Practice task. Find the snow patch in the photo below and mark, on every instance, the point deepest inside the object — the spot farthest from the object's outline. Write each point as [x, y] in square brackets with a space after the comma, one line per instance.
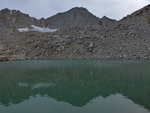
[23, 29]
[36, 28]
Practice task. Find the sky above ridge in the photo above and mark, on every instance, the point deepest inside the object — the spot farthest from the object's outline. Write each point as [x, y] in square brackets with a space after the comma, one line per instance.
[115, 9]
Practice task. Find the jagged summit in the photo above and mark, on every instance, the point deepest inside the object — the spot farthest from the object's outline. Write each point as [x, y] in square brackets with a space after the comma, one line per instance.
[105, 20]
[11, 12]
[77, 16]
[15, 18]
[76, 9]
[105, 17]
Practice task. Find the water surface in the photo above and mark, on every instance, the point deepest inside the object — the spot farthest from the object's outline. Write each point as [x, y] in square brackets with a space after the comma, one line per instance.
[75, 86]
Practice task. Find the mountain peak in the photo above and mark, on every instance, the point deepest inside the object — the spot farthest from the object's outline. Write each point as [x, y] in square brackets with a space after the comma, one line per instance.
[105, 18]
[15, 18]
[6, 10]
[77, 16]
[78, 9]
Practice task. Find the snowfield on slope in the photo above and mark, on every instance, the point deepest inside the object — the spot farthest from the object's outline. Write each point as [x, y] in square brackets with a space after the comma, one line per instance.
[36, 28]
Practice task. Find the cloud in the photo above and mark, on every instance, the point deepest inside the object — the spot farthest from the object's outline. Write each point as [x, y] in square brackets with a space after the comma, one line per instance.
[45, 8]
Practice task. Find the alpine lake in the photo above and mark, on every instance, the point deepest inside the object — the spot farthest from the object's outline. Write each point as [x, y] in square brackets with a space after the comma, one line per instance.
[75, 86]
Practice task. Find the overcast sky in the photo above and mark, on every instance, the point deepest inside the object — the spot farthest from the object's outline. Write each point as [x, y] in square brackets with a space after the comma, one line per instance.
[115, 9]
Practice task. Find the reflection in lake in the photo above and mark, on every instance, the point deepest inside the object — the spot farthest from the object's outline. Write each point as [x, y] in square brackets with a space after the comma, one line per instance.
[75, 86]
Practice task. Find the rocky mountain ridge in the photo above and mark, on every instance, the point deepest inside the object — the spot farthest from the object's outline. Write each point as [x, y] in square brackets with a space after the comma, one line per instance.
[77, 16]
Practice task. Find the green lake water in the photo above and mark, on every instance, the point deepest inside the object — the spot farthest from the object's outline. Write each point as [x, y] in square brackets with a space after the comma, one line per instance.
[75, 86]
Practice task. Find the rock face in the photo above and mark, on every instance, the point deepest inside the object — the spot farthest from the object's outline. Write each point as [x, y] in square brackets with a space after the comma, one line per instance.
[74, 17]
[141, 16]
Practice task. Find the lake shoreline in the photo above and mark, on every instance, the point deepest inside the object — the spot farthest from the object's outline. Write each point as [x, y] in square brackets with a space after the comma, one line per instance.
[14, 60]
